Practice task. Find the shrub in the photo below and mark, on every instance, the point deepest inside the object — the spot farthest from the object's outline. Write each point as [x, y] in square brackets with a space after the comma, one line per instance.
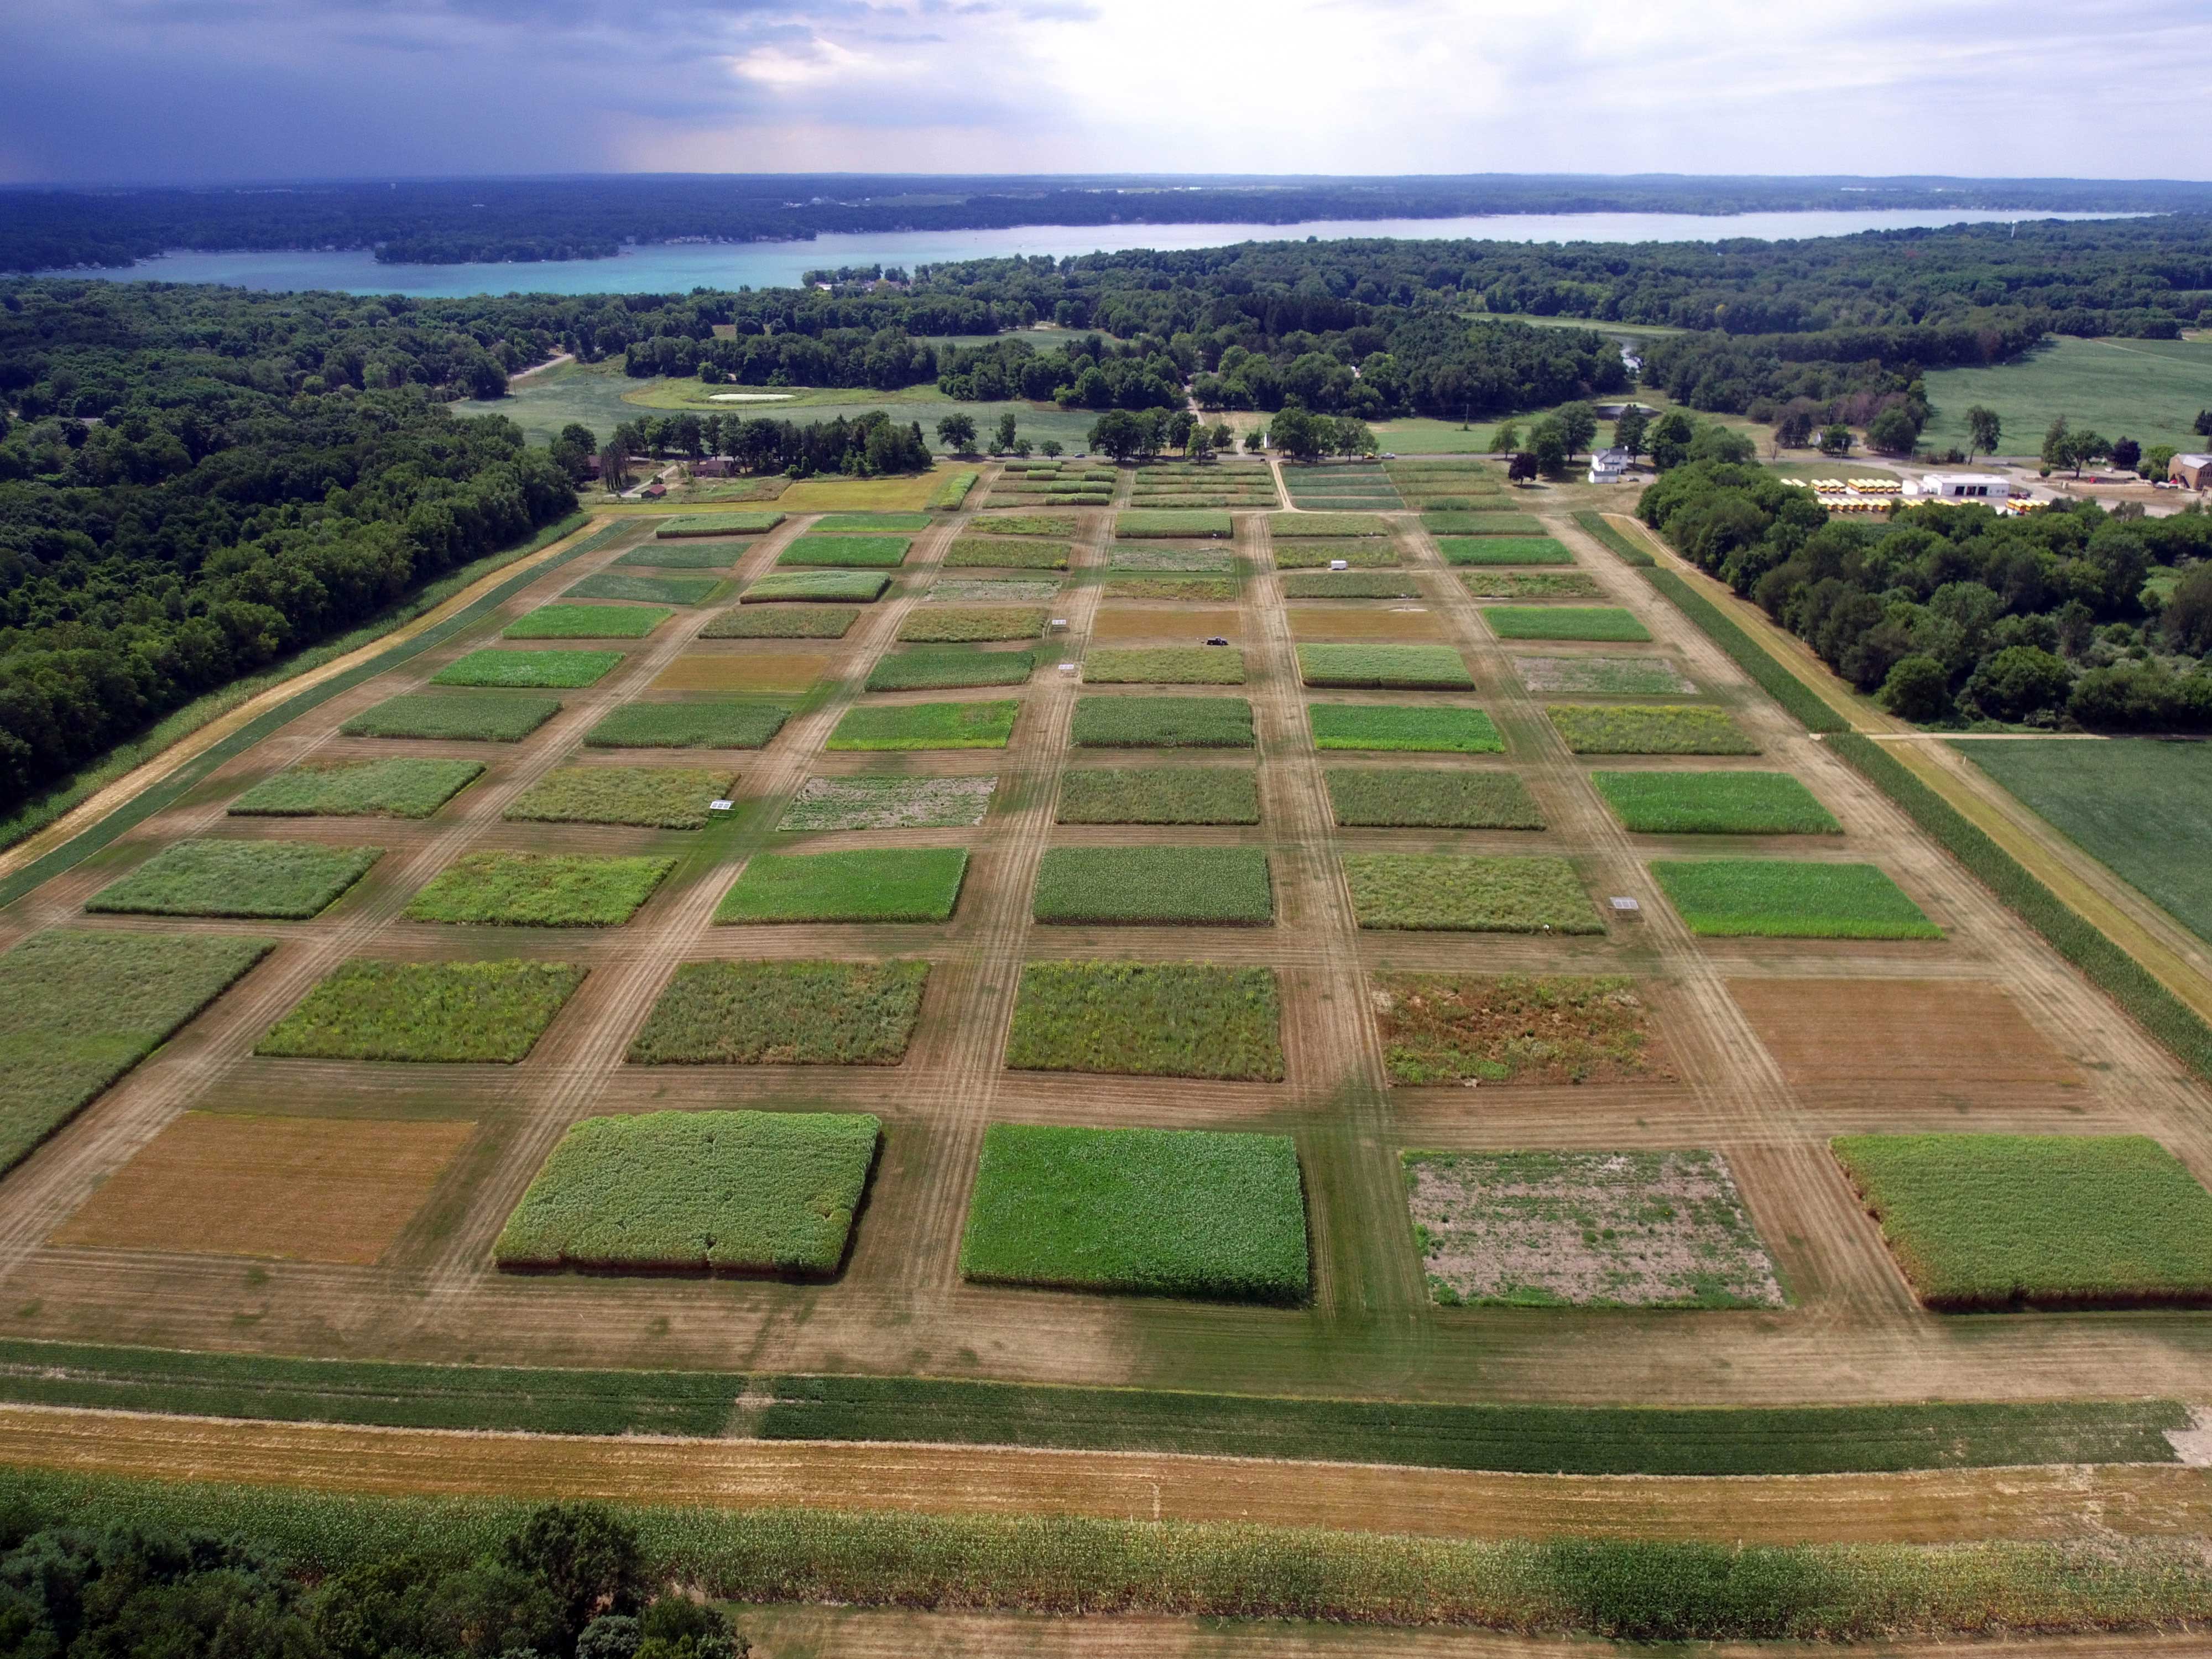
[1449, 1028]
[587, 622]
[1783, 898]
[399, 789]
[801, 586]
[540, 890]
[650, 797]
[1222, 886]
[1173, 794]
[1563, 622]
[926, 726]
[1431, 798]
[1714, 804]
[1416, 666]
[1193, 665]
[647, 590]
[487, 716]
[688, 725]
[868, 552]
[2019, 681]
[520, 669]
[1148, 1019]
[1503, 550]
[1141, 524]
[1918, 688]
[1006, 553]
[1446, 891]
[442, 1011]
[287, 880]
[952, 625]
[1606, 729]
[1410, 730]
[944, 666]
[784, 1013]
[893, 885]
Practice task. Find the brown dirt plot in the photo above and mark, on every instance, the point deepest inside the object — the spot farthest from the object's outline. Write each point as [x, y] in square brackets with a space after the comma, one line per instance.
[1892, 1030]
[1177, 621]
[743, 670]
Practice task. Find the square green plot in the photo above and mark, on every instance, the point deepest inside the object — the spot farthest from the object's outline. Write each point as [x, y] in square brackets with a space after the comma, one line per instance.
[683, 555]
[538, 889]
[1177, 665]
[910, 725]
[784, 1013]
[454, 716]
[517, 670]
[848, 552]
[1407, 667]
[803, 587]
[646, 590]
[688, 725]
[1994, 1221]
[940, 668]
[1451, 893]
[1140, 525]
[1431, 798]
[1148, 1019]
[1503, 550]
[1165, 794]
[717, 524]
[1405, 730]
[1632, 729]
[278, 880]
[587, 622]
[1786, 898]
[699, 1192]
[648, 797]
[872, 524]
[1187, 1213]
[867, 803]
[1563, 622]
[1714, 804]
[782, 622]
[395, 788]
[1155, 886]
[1162, 723]
[882, 884]
[432, 1012]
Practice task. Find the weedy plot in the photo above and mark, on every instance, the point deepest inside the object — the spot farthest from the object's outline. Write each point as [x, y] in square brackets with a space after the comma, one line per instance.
[683, 555]
[1363, 622]
[1006, 553]
[782, 622]
[866, 803]
[1604, 677]
[877, 885]
[852, 552]
[1351, 585]
[1195, 558]
[1502, 549]
[1590, 1230]
[1190, 590]
[1308, 526]
[479, 716]
[1785, 898]
[1670, 729]
[1171, 794]
[1714, 804]
[784, 1013]
[1148, 1019]
[1320, 554]
[1026, 524]
[1190, 665]
[688, 725]
[272, 880]
[1550, 1029]
[877, 524]
[1446, 521]
[1992, 1221]
[650, 797]
[1407, 730]
[938, 668]
[740, 672]
[78, 1010]
[1563, 622]
[1448, 892]
[1162, 723]
[717, 524]
[587, 622]
[951, 492]
[1530, 585]
[397, 788]
[957, 625]
[1003, 589]
[1137, 525]
[442, 1011]
[806, 587]
[1153, 886]
[926, 726]
[540, 890]
[1435, 668]
[1160, 1211]
[528, 669]
[707, 1192]
[646, 590]
[1431, 798]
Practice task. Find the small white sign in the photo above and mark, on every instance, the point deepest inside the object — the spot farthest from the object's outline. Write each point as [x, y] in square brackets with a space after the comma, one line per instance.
[1067, 668]
[719, 806]
[1619, 904]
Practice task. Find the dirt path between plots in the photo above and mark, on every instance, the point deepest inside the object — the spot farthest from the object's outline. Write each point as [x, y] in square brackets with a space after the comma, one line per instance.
[2062, 1501]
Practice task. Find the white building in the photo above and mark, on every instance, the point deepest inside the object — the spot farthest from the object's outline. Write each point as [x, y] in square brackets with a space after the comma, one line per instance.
[1609, 467]
[1966, 487]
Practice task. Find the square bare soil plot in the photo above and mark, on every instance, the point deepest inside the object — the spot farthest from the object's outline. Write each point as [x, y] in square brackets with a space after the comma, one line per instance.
[784, 1013]
[78, 1010]
[1163, 794]
[1148, 1019]
[696, 1192]
[740, 673]
[1885, 1032]
[401, 787]
[1315, 621]
[1538, 1029]
[701, 725]
[429, 1012]
[1155, 886]
[455, 716]
[1605, 677]
[1453, 893]
[1790, 898]
[869, 803]
[647, 797]
[271, 880]
[1175, 664]
[587, 622]
[1629, 729]
[538, 889]
[891, 884]
[1431, 798]
[1592, 1230]
[782, 622]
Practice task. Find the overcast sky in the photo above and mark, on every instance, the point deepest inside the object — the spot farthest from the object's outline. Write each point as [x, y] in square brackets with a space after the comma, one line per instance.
[220, 89]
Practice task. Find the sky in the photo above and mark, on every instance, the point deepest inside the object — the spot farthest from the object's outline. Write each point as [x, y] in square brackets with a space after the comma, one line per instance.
[195, 91]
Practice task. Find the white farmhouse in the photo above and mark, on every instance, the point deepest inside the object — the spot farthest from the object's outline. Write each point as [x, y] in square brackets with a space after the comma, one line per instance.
[1966, 487]
[1609, 467]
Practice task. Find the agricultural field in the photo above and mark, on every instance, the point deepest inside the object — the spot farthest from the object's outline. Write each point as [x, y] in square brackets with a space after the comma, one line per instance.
[857, 552]
[1431, 798]
[1450, 892]
[1714, 804]
[1409, 667]
[1007, 552]
[650, 797]
[745, 673]
[1646, 729]
[1522, 1028]
[485, 716]
[992, 590]
[936, 668]
[690, 724]
[406, 787]
[871, 803]
[1351, 585]
[1603, 677]
[438, 1012]
[1404, 729]
[1165, 794]
[269, 880]
[530, 670]
[2149, 390]
[647, 590]
[1366, 554]
[955, 624]
[1366, 622]
[1565, 622]
[881, 885]
[784, 1013]
[888, 728]
[718, 524]
[1148, 1019]
[1445, 521]
[1125, 722]
[1502, 549]
[1190, 590]
[1530, 585]
[816, 587]
[587, 622]
[1787, 898]
[540, 890]
[1057, 526]
[1155, 886]
[782, 622]
[1193, 664]
[1138, 525]
[684, 556]
[870, 524]
[1176, 557]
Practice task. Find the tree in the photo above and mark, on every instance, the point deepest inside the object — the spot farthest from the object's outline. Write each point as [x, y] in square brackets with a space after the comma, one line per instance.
[1302, 436]
[1670, 439]
[1793, 428]
[1225, 437]
[2127, 454]
[1506, 440]
[1003, 439]
[584, 1555]
[2158, 461]
[2057, 443]
[1548, 439]
[1120, 434]
[1578, 426]
[1836, 440]
[2020, 681]
[957, 434]
[1051, 446]
[1631, 430]
[1985, 431]
[2203, 427]
[1521, 467]
[2080, 448]
[1918, 689]
[1893, 432]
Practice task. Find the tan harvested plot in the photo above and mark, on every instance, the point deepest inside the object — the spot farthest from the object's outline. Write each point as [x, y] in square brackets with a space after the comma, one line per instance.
[743, 670]
[1347, 622]
[1185, 622]
[1945, 1034]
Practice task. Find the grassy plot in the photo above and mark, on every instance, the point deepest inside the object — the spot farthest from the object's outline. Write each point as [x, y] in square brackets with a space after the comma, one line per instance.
[1552, 1028]
[926, 726]
[1608, 729]
[717, 524]
[1006, 553]
[1785, 898]
[396, 788]
[538, 889]
[1148, 886]
[1503, 550]
[525, 669]
[1026, 524]
[1563, 622]
[587, 622]
[1168, 794]
[1592, 1230]
[851, 552]
[1142, 526]
[782, 622]
[1714, 804]
[877, 885]
[688, 725]
[1426, 668]
[1185, 665]
[803, 587]
[1320, 554]
[683, 555]
[1448, 892]
[1148, 1019]
[1190, 590]
[992, 590]
[1306, 526]
[1604, 677]
[276, 880]
[1409, 730]
[1197, 557]
[439, 1012]
[940, 667]
[960, 624]
[1431, 798]
[1530, 585]
[650, 797]
[78, 1010]
[867, 803]
[1351, 585]
[646, 590]
[486, 716]
[1441, 522]
[784, 1013]
[711, 1192]
[2150, 389]
[877, 524]
[1162, 723]
[1988, 1221]
[1161, 1211]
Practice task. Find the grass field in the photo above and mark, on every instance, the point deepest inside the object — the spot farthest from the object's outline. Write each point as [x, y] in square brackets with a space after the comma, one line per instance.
[425, 1010]
[399, 789]
[1006, 553]
[646, 590]
[1157, 1211]
[1139, 525]
[784, 1013]
[1351, 585]
[1410, 730]
[1785, 898]
[78, 1010]
[1188, 665]
[529, 669]
[803, 587]
[540, 890]
[1629, 729]
[484, 716]
[893, 885]
[955, 624]
[867, 803]
[849, 552]
[1116, 722]
[688, 725]
[1563, 622]
[1545, 1027]
[1148, 1019]
[935, 668]
[272, 880]
[1150, 886]
[1412, 667]
[926, 726]
[707, 1192]
[1714, 804]
[1604, 677]
[1530, 585]
[2148, 389]
[587, 622]
[1432, 797]
[1986, 1221]
[1167, 794]
[1449, 892]
[782, 622]
[1503, 550]
[650, 797]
